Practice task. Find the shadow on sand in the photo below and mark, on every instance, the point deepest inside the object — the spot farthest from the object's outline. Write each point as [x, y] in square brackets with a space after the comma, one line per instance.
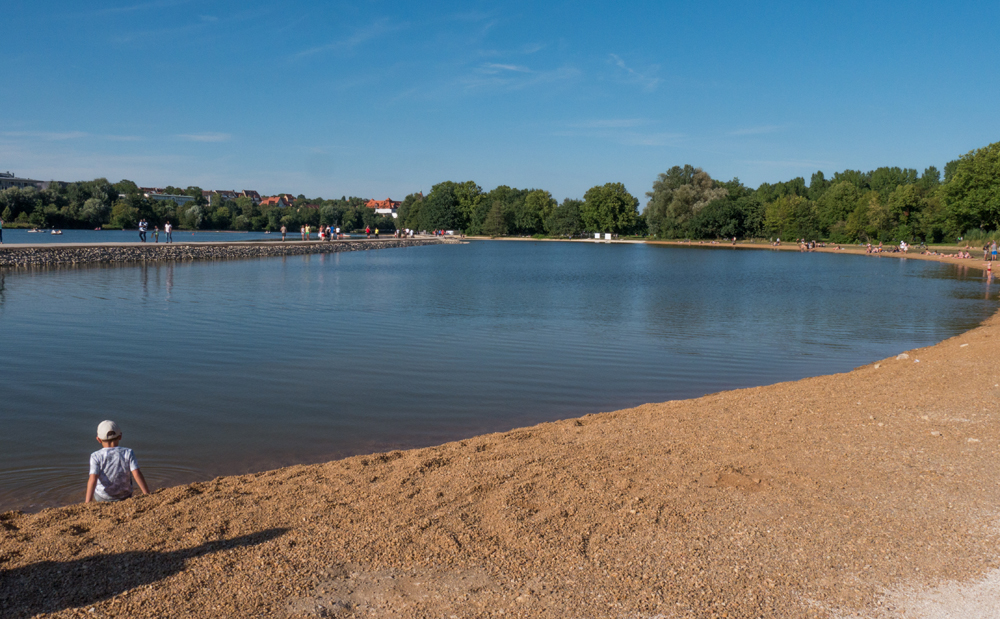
[51, 586]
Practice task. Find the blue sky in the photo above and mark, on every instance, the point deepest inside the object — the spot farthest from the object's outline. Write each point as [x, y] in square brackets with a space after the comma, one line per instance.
[380, 99]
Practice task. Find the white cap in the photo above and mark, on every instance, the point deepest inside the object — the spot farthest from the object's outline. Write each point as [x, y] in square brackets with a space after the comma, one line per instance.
[108, 430]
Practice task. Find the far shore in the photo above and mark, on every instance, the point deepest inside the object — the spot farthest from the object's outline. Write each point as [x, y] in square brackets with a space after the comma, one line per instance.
[870, 493]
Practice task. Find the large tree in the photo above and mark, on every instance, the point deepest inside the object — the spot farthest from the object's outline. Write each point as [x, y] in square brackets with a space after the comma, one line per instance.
[565, 219]
[972, 194]
[609, 208]
[677, 196]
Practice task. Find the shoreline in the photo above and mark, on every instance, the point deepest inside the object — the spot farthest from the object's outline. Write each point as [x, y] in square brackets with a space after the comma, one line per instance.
[820, 496]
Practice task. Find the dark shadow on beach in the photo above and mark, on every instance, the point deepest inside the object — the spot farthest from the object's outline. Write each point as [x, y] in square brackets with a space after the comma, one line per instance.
[51, 586]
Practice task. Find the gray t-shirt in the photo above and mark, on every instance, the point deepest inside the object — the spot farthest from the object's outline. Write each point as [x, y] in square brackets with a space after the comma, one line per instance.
[113, 467]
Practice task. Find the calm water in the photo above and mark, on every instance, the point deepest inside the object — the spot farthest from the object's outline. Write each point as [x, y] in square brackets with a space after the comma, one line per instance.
[226, 367]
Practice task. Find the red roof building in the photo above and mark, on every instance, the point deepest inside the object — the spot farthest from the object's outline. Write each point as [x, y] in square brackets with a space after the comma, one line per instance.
[383, 204]
[278, 201]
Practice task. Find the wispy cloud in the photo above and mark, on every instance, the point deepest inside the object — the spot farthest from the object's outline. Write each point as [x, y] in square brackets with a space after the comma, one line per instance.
[791, 163]
[513, 77]
[51, 136]
[372, 31]
[644, 79]
[611, 123]
[204, 137]
[492, 68]
[524, 50]
[142, 6]
[761, 130]
[635, 138]
[622, 131]
[122, 138]
[58, 136]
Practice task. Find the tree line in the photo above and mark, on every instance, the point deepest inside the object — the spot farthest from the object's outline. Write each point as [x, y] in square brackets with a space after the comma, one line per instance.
[99, 203]
[885, 204]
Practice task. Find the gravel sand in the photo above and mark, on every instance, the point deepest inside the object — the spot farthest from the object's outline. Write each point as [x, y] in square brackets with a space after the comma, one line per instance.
[873, 493]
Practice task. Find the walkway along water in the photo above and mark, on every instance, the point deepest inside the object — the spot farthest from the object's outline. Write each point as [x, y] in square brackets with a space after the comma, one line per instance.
[32, 255]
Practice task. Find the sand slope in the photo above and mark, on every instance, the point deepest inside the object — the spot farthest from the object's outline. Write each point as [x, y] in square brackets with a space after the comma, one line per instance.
[830, 496]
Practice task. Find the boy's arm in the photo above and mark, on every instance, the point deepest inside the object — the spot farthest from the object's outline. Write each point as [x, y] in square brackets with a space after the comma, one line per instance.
[139, 479]
[91, 486]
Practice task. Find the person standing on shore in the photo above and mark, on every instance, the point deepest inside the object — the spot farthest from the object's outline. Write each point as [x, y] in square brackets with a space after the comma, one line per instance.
[142, 230]
[156, 234]
[1, 231]
[993, 251]
[169, 230]
[283, 231]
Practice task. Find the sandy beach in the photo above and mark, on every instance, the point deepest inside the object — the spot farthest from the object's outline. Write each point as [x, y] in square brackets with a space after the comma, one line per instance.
[872, 493]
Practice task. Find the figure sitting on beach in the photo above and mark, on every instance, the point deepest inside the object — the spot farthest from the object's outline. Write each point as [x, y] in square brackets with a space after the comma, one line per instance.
[112, 468]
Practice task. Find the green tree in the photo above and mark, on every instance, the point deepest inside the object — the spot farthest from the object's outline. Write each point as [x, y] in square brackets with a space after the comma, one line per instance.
[677, 196]
[536, 207]
[779, 216]
[565, 219]
[496, 222]
[95, 212]
[124, 215]
[972, 195]
[834, 206]
[609, 208]
[126, 187]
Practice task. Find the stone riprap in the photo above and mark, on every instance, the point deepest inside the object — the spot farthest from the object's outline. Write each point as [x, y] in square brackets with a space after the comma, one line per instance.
[14, 256]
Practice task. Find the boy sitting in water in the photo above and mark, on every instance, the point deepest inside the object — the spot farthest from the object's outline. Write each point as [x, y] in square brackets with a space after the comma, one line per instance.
[111, 466]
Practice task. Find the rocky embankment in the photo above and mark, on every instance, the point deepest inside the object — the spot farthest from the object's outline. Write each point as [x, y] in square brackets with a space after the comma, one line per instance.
[13, 256]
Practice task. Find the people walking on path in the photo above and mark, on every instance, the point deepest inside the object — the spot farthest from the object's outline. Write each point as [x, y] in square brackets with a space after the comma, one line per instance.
[1, 231]
[368, 232]
[142, 230]
[156, 234]
[283, 231]
[169, 230]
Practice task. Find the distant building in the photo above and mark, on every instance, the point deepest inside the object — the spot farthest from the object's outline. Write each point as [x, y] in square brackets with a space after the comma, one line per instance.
[8, 180]
[163, 197]
[384, 207]
[278, 201]
[253, 195]
[227, 194]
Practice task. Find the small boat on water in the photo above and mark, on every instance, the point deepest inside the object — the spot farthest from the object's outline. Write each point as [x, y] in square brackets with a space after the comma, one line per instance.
[34, 230]
[57, 232]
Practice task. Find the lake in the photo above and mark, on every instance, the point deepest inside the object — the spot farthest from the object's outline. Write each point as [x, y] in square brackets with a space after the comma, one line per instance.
[215, 368]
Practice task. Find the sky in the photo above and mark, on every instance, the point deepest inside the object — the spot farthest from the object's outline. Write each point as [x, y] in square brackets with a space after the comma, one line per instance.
[382, 99]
